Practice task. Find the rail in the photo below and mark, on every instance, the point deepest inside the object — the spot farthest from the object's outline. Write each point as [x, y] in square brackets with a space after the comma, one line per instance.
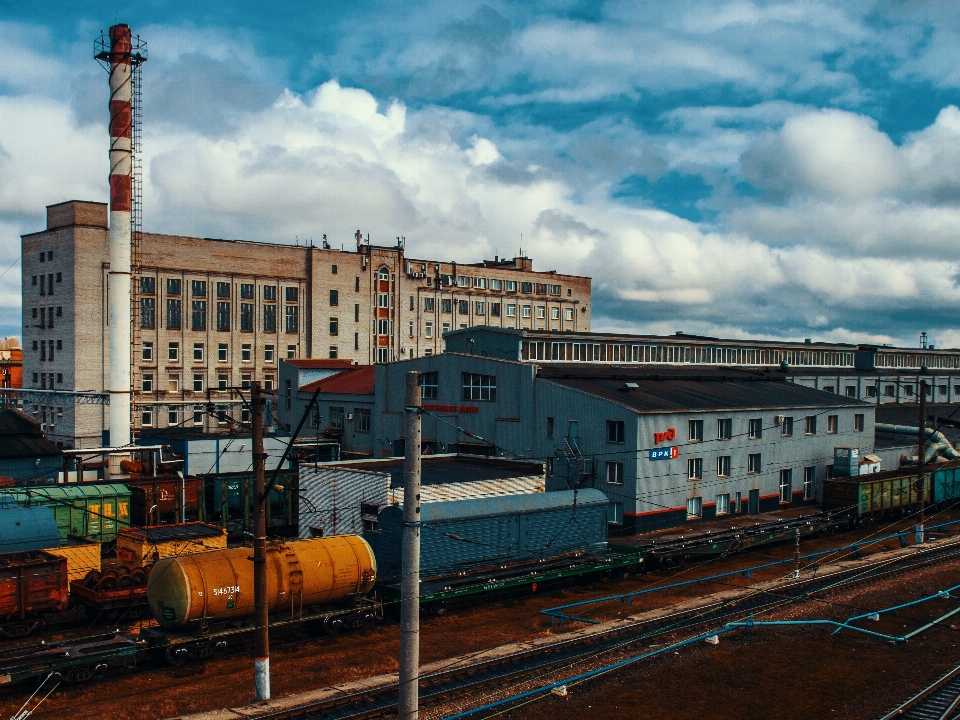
[559, 612]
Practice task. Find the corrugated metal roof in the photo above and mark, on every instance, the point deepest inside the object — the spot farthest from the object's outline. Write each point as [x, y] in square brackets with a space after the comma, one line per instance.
[437, 470]
[180, 531]
[21, 436]
[356, 381]
[318, 363]
[510, 505]
[702, 394]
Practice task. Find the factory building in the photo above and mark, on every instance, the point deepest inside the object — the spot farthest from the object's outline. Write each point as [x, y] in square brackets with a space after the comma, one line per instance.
[213, 314]
[667, 445]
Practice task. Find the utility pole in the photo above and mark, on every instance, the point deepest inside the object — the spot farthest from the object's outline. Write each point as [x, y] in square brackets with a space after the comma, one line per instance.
[921, 453]
[410, 560]
[261, 663]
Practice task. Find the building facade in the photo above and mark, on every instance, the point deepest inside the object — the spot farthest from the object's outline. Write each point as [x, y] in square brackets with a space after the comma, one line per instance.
[665, 448]
[11, 368]
[209, 314]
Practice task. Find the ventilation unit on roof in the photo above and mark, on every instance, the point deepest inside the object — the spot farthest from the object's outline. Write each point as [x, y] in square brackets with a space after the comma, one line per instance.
[630, 386]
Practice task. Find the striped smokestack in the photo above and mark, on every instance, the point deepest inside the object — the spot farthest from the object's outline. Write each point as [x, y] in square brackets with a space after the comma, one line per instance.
[119, 278]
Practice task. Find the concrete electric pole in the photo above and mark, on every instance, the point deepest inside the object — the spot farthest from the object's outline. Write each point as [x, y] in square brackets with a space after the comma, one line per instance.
[410, 563]
[261, 667]
[921, 457]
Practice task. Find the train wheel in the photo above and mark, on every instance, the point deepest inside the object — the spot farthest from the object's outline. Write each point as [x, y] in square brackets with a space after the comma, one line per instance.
[333, 626]
[219, 649]
[176, 655]
[99, 672]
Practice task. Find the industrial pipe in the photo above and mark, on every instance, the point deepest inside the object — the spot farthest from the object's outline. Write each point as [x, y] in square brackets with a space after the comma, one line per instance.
[942, 446]
[119, 277]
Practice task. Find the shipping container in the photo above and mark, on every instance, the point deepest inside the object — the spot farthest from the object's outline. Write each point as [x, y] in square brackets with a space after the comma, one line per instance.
[93, 511]
[31, 583]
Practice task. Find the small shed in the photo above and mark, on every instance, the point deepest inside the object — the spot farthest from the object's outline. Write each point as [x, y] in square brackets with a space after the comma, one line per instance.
[464, 534]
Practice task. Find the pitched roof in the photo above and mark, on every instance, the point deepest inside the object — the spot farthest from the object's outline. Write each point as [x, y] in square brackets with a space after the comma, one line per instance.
[317, 363]
[356, 381]
[20, 436]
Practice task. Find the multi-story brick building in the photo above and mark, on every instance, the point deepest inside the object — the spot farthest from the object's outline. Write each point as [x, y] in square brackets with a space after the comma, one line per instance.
[213, 314]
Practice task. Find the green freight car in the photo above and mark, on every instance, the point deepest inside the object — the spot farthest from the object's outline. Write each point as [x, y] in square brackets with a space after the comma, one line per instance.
[91, 510]
[891, 491]
[946, 482]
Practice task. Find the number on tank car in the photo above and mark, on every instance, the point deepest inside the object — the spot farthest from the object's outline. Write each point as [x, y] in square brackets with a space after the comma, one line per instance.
[229, 590]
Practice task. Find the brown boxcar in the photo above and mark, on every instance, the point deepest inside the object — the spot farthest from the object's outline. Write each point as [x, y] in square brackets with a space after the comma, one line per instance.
[156, 501]
[31, 583]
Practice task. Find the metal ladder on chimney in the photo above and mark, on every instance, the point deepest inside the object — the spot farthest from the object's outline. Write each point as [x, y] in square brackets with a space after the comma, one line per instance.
[136, 230]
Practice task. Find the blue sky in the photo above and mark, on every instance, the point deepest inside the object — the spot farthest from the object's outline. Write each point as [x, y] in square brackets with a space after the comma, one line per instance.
[728, 168]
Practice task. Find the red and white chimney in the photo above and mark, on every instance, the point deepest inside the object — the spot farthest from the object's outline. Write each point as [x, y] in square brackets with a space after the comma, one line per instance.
[119, 278]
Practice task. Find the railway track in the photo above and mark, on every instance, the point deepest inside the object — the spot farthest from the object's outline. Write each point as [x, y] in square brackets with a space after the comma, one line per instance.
[456, 688]
[938, 701]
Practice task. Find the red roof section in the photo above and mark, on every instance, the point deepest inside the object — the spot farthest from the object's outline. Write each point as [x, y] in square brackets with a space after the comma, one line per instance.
[357, 381]
[317, 364]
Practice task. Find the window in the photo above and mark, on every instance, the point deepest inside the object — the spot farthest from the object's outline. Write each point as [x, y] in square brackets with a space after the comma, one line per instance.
[361, 420]
[526, 287]
[333, 269]
[463, 307]
[173, 286]
[494, 309]
[753, 463]
[723, 504]
[723, 466]
[291, 351]
[33, 280]
[555, 290]
[429, 304]
[148, 312]
[173, 314]
[334, 298]
[858, 422]
[146, 352]
[756, 428]
[889, 390]
[871, 391]
[245, 352]
[291, 294]
[615, 473]
[270, 318]
[510, 285]
[147, 383]
[568, 314]
[59, 277]
[356, 284]
[479, 282]
[942, 389]
[383, 327]
[245, 380]
[479, 387]
[549, 428]
[541, 288]
[463, 281]
[292, 314]
[268, 381]
[246, 316]
[694, 468]
[198, 412]
[173, 352]
[268, 353]
[246, 291]
[270, 292]
[428, 330]
[541, 312]
[222, 352]
[333, 352]
[446, 305]
[479, 308]
[445, 328]
[496, 284]
[356, 341]
[334, 326]
[223, 380]
[786, 486]
[384, 300]
[429, 385]
[198, 352]
[694, 508]
[695, 430]
[811, 425]
[724, 429]
[511, 310]
[554, 313]
[198, 382]
[832, 424]
[851, 390]
[173, 416]
[198, 315]
[336, 417]
[223, 289]
[198, 288]
[908, 390]
[809, 476]
[43, 256]
[411, 328]
[223, 316]
[173, 382]
[828, 388]
[146, 416]
[356, 313]
[786, 425]
[615, 431]
[525, 311]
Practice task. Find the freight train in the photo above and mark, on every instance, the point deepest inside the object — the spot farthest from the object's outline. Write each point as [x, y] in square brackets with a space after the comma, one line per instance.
[892, 492]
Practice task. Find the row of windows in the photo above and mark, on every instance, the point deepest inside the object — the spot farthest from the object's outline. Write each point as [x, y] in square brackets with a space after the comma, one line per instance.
[338, 417]
[199, 382]
[46, 380]
[45, 348]
[45, 316]
[222, 318]
[494, 309]
[223, 352]
[198, 288]
[615, 428]
[475, 386]
[46, 282]
[622, 352]
[723, 500]
[482, 283]
[177, 415]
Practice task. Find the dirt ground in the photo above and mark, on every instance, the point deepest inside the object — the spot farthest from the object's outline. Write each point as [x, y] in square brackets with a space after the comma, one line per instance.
[738, 677]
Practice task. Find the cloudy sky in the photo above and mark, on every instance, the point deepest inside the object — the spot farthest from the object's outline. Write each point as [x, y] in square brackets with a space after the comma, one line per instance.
[727, 168]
